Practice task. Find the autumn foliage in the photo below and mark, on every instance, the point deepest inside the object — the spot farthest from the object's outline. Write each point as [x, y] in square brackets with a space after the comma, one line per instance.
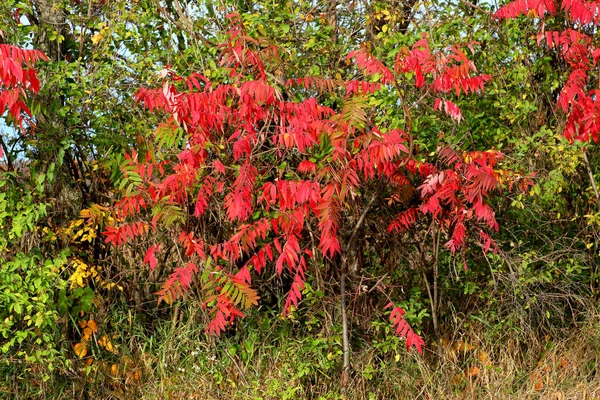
[261, 181]
[575, 45]
[17, 77]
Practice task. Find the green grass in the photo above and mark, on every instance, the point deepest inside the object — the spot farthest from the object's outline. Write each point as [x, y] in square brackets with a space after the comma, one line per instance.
[268, 357]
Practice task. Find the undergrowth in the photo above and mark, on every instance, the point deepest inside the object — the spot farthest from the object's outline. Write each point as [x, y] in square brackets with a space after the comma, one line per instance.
[270, 357]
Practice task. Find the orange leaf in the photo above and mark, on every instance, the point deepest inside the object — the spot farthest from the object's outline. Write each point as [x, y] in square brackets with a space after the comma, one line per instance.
[473, 371]
[463, 347]
[80, 349]
[87, 333]
[134, 375]
[92, 325]
[539, 385]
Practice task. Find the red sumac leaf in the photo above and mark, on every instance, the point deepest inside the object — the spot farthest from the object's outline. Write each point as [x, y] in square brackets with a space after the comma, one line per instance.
[150, 258]
[403, 329]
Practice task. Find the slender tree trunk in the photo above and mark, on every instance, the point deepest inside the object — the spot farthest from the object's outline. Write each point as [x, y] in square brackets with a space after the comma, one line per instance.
[434, 317]
[433, 292]
[349, 264]
[48, 16]
[345, 336]
[592, 179]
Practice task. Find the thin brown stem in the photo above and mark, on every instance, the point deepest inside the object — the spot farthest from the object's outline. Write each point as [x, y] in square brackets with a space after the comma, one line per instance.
[592, 179]
[345, 339]
[360, 221]
[84, 30]
[433, 293]
[434, 318]
[407, 116]
[436, 250]
[475, 6]
[5, 149]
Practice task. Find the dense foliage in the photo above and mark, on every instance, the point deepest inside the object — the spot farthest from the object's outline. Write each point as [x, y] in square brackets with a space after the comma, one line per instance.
[183, 184]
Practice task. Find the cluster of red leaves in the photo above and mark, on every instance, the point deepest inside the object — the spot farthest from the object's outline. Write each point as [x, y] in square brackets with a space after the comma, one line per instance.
[456, 195]
[578, 50]
[450, 71]
[279, 173]
[17, 76]
[403, 329]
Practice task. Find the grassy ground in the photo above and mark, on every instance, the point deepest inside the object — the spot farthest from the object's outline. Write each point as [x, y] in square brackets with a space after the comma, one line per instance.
[267, 357]
[274, 360]
[560, 369]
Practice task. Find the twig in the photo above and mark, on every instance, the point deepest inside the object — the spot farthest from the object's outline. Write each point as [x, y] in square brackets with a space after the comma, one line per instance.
[242, 374]
[591, 174]
[377, 283]
[360, 221]
[9, 163]
[475, 6]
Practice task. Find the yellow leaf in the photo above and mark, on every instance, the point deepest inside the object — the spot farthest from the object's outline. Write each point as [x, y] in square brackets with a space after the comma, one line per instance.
[97, 37]
[114, 370]
[106, 343]
[80, 349]
[483, 357]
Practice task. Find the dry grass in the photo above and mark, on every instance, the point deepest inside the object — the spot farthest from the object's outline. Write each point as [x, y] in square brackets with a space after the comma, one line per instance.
[551, 368]
[177, 362]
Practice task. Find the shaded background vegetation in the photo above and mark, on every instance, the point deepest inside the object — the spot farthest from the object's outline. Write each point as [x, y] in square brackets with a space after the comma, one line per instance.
[519, 323]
